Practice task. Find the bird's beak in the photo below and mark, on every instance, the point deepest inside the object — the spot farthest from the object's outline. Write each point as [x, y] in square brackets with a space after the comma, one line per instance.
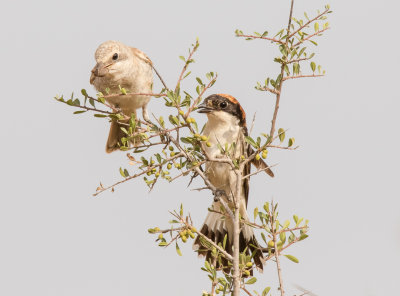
[100, 70]
[205, 108]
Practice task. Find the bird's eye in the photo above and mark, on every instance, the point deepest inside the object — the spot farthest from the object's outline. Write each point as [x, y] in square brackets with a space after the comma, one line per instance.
[223, 105]
[115, 57]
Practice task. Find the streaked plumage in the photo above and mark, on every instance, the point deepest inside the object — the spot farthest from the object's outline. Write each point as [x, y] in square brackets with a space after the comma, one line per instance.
[128, 67]
[226, 125]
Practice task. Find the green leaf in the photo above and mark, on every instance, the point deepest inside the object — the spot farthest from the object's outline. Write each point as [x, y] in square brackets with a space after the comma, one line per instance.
[287, 70]
[280, 32]
[91, 102]
[312, 65]
[251, 142]
[291, 142]
[187, 140]
[186, 75]
[296, 68]
[266, 207]
[295, 218]
[286, 224]
[272, 82]
[316, 27]
[224, 242]
[100, 115]
[207, 265]
[255, 213]
[266, 291]
[178, 250]
[124, 130]
[281, 133]
[263, 237]
[121, 171]
[174, 120]
[303, 236]
[292, 258]
[301, 51]
[182, 58]
[251, 281]
[144, 161]
[84, 93]
[80, 111]
[282, 237]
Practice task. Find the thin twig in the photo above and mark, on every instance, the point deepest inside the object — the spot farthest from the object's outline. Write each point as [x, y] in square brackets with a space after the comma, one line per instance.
[302, 76]
[247, 292]
[159, 76]
[252, 123]
[278, 95]
[282, 147]
[298, 60]
[135, 94]
[266, 88]
[276, 253]
[310, 36]
[100, 190]
[186, 172]
[91, 109]
[191, 52]
[258, 171]
[307, 23]
[196, 102]
[260, 37]
[201, 188]
[236, 231]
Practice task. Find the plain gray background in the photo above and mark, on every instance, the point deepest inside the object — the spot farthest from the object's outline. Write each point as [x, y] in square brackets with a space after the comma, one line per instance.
[56, 239]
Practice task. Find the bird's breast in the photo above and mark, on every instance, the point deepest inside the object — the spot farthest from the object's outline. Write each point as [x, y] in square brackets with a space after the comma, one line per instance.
[133, 84]
[220, 135]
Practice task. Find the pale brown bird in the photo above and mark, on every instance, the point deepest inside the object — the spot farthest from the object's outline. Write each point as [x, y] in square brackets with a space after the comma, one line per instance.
[227, 125]
[118, 66]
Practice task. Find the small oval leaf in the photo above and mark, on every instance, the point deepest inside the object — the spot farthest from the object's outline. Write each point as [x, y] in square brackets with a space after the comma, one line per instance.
[292, 258]
[251, 281]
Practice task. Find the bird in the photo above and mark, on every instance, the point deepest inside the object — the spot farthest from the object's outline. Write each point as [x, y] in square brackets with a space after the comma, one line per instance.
[227, 124]
[120, 66]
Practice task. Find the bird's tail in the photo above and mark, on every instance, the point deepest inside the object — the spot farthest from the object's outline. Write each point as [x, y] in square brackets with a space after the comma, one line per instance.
[216, 227]
[114, 141]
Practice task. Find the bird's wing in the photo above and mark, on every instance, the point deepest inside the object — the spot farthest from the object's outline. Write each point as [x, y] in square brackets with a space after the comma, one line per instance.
[246, 148]
[141, 55]
[246, 187]
[260, 164]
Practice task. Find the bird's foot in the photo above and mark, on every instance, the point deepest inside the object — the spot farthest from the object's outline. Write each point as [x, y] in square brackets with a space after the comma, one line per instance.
[218, 194]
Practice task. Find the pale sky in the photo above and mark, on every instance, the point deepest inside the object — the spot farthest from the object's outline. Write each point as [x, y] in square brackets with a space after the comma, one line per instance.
[56, 239]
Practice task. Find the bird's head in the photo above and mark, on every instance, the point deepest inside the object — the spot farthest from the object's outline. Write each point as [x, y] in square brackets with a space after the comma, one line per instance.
[223, 108]
[112, 59]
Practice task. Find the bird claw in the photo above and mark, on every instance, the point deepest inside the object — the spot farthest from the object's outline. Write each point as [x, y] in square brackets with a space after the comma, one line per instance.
[218, 194]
